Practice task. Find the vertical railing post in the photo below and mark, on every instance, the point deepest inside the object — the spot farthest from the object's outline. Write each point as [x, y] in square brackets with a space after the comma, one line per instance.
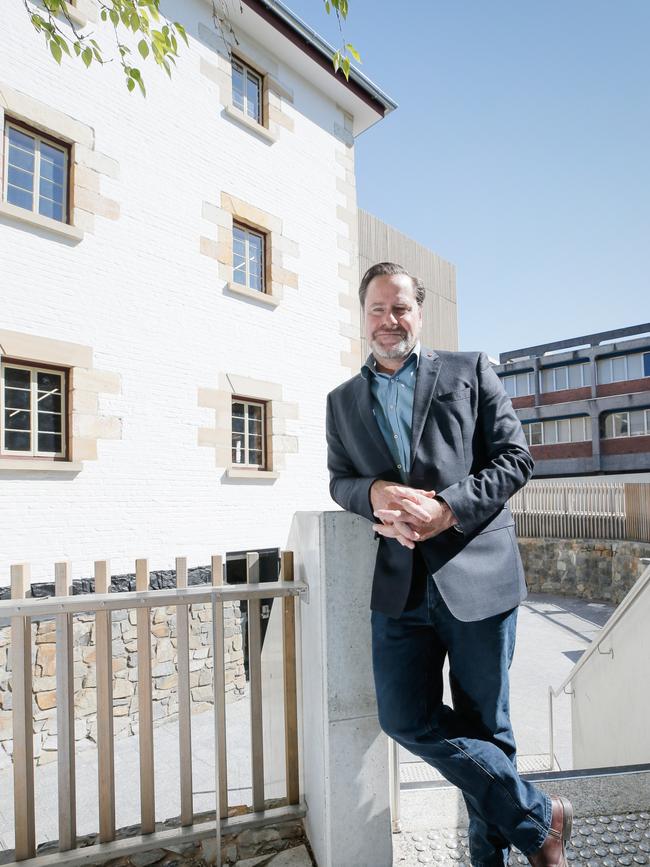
[219, 694]
[145, 711]
[105, 745]
[184, 699]
[23, 725]
[65, 714]
[255, 683]
[290, 685]
[219, 687]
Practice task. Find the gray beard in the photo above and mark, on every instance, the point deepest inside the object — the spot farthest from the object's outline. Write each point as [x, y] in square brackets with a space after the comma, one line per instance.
[400, 351]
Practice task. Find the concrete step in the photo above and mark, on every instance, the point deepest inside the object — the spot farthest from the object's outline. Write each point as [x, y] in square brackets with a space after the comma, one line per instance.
[611, 824]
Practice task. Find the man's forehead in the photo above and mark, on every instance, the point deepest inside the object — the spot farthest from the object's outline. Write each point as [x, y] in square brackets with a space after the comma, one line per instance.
[389, 289]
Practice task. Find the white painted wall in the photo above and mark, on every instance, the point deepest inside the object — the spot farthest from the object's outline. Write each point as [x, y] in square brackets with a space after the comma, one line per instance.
[151, 306]
[611, 701]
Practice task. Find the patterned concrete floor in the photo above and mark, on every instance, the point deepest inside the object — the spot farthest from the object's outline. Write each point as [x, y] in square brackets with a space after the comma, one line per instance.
[597, 841]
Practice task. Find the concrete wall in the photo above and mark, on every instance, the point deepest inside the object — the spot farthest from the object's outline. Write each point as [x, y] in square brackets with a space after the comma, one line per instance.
[611, 703]
[587, 568]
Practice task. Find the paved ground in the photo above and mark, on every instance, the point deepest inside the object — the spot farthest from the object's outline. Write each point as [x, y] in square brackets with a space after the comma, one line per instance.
[597, 841]
[552, 634]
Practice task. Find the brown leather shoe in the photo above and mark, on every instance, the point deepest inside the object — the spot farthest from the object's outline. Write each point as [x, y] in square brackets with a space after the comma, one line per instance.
[553, 851]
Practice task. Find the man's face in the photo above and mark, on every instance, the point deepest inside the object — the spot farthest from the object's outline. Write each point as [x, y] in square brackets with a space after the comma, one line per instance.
[393, 318]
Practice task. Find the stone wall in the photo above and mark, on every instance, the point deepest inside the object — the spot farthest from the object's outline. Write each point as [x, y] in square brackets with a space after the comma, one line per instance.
[587, 568]
[125, 673]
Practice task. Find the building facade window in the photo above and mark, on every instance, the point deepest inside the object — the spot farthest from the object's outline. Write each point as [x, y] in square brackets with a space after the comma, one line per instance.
[519, 384]
[33, 411]
[557, 430]
[247, 90]
[248, 249]
[622, 367]
[36, 172]
[565, 376]
[631, 423]
[248, 433]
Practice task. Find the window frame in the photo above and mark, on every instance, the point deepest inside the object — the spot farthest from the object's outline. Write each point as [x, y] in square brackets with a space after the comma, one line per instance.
[513, 377]
[264, 405]
[552, 372]
[35, 368]
[628, 422]
[52, 141]
[556, 422]
[251, 230]
[610, 365]
[248, 71]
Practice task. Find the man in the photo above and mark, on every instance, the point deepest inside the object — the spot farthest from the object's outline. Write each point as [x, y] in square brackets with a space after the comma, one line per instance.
[428, 443]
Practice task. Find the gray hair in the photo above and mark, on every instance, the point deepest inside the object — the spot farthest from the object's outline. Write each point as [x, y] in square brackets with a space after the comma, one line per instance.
[390, 268]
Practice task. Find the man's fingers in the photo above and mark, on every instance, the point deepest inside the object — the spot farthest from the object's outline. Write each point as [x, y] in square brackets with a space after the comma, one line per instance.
[391, 532]
[416, 510]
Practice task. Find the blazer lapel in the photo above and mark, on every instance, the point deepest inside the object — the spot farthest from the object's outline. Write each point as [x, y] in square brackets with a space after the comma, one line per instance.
[365, 410]
[428, 370]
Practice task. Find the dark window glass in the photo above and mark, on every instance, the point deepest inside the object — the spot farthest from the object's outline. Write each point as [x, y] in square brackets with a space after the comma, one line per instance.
[48, 442]
[16, 378]
[17, 441]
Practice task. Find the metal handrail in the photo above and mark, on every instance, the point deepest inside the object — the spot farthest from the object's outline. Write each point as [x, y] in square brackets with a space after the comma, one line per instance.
[641, 584]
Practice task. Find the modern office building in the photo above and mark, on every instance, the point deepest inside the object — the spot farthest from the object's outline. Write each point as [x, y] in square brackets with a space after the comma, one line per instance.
[584, 402]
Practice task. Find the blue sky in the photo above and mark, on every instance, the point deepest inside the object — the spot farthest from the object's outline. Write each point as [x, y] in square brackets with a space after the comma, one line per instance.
[520, 151]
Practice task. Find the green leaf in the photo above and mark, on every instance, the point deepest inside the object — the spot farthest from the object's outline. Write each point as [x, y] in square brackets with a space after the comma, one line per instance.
[87, 56]
[77, 48]
[55, 48]
[143, 48]
[336, 60]
[104, 14]
[346, 67]
[181, 30]
[130, 83]
[353, 51]
[115, 18]
[328, 8]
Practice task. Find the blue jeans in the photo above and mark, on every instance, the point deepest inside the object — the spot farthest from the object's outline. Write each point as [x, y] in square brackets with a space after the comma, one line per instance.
[472, 745]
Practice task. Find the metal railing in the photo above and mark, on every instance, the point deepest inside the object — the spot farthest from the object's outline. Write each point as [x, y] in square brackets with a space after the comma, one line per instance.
[62, 606]
[587, 510]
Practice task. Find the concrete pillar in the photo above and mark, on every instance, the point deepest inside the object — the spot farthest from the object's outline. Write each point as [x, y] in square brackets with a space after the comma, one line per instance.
[344, 752]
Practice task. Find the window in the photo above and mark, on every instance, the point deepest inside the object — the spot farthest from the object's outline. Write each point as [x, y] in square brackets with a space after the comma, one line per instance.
[621, 367]
[566, 376]
[519, 384]
[557, 430]
[247, 90]
[632, 423]
[33, 411]
[248, 257]
[36, 172]
[248, 433]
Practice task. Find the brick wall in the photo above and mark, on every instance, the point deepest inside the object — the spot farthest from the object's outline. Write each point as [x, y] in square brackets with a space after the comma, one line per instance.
[555, 451]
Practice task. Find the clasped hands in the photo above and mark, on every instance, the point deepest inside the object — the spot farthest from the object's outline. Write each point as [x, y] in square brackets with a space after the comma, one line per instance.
[409, 515]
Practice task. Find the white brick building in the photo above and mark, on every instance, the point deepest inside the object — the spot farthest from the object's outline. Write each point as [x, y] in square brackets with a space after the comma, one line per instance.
[126, 329]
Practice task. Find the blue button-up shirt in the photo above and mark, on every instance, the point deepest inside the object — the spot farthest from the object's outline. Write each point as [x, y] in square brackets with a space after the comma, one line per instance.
[392, 398]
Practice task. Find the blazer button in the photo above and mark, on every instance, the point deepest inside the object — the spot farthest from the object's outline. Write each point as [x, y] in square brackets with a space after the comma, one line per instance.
[399, 466]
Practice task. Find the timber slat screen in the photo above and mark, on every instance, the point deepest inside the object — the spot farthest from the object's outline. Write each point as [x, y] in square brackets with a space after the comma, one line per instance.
[21, 609]
[583, 510]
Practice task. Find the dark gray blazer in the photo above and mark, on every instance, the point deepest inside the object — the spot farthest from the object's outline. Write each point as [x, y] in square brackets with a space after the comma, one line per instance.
[468, 445]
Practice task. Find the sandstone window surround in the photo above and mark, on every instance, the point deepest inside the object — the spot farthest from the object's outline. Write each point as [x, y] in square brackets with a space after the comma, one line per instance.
[83, 424]
[273, 99]
[277, 247]
[87, 167]
[277, 442]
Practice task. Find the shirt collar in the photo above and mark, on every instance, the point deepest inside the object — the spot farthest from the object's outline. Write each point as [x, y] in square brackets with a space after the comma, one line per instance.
[370, 365]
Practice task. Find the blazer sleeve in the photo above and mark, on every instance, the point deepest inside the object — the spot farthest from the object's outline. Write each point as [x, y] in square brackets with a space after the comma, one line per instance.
[477, 497]
[347, 488]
